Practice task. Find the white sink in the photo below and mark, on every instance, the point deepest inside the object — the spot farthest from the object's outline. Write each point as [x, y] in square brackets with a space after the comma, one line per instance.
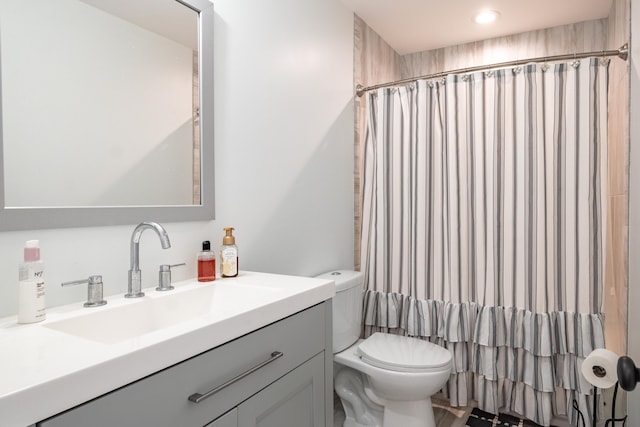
[158, 311]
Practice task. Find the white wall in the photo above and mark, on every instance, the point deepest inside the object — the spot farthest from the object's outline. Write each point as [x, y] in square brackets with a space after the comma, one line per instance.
[284, 132]
[633, 338]
[284, 159]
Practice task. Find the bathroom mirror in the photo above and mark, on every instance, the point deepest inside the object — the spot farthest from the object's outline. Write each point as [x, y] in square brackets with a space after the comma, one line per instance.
[106, 113]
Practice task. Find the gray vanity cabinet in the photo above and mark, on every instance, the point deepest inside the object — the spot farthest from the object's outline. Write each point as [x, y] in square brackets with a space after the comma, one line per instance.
[254, 385]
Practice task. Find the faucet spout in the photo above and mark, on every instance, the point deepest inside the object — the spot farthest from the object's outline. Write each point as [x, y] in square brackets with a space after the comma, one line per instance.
[135, 275]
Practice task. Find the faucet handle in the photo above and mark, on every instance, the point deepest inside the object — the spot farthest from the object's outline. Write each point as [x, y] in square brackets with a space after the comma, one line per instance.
[164, 277]
[94, 290]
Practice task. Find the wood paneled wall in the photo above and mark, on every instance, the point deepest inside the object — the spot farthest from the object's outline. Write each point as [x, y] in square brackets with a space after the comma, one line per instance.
[616, 270]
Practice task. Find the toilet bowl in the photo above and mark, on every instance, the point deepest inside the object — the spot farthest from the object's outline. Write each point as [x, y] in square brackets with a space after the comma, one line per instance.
[385, 380]
[401, 388]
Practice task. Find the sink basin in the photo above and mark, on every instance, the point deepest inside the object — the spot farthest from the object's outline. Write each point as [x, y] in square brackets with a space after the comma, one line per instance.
[162, 310]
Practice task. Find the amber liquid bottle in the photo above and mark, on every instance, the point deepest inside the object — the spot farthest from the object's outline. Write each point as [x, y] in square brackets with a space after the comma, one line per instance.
[206, 263]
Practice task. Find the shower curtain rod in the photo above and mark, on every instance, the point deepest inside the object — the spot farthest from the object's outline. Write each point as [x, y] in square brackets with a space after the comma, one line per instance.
[622, 52]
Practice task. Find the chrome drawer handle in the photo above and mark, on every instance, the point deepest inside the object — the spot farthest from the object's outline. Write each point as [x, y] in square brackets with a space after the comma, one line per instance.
[197, 397]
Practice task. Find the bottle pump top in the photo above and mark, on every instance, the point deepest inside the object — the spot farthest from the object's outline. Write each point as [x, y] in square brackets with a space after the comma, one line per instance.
[206, 245]
[32, 251]
[229, 238]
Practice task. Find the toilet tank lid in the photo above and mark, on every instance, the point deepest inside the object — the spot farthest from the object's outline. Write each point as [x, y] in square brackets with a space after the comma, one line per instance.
[344, 279]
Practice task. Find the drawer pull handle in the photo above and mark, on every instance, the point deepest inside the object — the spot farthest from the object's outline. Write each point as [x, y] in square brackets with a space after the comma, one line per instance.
[197, 397]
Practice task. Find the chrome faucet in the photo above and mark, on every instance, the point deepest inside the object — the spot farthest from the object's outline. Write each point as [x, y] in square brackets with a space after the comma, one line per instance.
[135, 275]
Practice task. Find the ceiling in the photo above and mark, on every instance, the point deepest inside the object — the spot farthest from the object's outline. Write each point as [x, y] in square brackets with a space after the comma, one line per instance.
[411, 26]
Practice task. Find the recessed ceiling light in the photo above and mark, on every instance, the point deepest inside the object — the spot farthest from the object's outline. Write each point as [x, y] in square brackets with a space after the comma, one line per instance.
[486, 17]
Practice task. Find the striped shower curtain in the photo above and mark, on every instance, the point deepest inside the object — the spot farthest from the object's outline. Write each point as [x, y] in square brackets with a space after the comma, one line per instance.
[483, 228]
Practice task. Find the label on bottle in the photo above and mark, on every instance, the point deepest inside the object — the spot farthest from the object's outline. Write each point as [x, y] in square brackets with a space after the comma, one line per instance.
[31, 293]
[31, 297]
[229, 257]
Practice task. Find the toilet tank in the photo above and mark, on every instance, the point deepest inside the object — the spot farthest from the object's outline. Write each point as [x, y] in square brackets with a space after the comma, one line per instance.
[347, 307]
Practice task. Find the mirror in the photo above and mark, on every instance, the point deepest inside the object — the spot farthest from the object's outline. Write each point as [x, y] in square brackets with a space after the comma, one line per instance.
[107, 112]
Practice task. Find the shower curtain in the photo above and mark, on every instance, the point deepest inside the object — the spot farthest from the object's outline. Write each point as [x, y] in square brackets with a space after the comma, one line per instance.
[483, 228]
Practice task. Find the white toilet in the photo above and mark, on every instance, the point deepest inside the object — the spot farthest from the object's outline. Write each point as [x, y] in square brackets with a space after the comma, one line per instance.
[385, 380]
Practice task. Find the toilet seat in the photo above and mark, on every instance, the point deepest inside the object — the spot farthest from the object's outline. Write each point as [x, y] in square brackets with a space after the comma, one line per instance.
[403, 354]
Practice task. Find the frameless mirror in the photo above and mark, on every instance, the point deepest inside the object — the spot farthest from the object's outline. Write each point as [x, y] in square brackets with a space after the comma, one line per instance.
[107, 112]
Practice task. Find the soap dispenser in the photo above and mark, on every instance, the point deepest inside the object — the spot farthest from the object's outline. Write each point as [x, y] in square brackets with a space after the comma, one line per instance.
[229, 254]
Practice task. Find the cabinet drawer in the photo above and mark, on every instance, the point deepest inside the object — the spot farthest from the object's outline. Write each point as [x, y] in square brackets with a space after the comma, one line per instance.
[295, 400]
[162, 399]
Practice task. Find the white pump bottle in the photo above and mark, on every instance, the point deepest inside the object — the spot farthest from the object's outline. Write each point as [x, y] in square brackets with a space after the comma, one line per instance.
[31, 300]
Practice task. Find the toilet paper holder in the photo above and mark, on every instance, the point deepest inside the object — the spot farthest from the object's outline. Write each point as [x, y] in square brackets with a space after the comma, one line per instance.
[600, 364]
[598, 369]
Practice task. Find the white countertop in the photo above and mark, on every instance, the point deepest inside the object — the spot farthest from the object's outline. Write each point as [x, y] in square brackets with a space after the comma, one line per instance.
[44, 371]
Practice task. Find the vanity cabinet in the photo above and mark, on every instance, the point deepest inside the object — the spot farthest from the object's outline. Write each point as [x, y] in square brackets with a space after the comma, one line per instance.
[279, 375]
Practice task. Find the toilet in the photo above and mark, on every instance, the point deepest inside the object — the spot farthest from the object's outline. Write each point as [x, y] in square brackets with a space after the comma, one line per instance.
[385, 380]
